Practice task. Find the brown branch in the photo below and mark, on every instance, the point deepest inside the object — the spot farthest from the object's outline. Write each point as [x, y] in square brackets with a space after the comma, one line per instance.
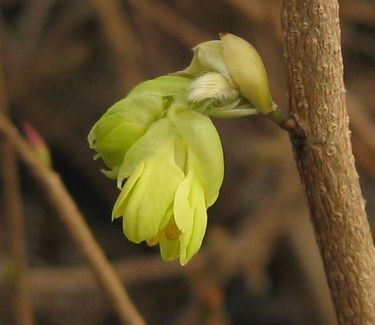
[121, 39]
[172, 23]
[262, 13]
[223, 255]
[30, 26]
[77, 227]
[35, 110]
[12, 203]
[325, 160]
[132, 271]
[240, 254]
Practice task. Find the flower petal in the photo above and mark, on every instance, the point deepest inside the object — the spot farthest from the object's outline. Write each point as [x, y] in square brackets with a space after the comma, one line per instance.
[205, 154]
[116, 142]
[155, 141]
[170, 85]
[197, 200]
[148, 203]
[190, 216]
[184, 213]
[128, 119]
[123, 124]
[118, 209]
[208, 56]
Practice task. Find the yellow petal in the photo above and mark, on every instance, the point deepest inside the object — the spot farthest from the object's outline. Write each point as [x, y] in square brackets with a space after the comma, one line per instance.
[205, 154]
[118, 209]
[199, 222]
[183, 213]
[128, 119]
[148, 203]
[191, 216]
[155, 141]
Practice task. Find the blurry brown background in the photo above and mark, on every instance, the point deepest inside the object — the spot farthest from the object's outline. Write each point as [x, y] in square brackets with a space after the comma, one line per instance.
[67, 61]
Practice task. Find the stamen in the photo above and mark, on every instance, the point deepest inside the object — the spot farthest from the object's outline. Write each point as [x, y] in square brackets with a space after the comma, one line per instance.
[171, 231]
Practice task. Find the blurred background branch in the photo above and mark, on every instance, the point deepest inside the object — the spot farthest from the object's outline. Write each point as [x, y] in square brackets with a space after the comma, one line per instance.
[68, 61]
[12, 205]
[67, 210]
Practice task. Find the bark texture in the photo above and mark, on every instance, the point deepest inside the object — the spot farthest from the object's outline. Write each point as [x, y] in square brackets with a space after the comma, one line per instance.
[324, 156]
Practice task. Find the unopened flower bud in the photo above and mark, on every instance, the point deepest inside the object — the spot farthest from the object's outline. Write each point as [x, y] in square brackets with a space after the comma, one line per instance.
[212, 85]
[240, 66]
[246, 68]
[38, 144]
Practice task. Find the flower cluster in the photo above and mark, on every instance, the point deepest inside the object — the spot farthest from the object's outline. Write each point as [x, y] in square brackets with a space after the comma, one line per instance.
[161, 146]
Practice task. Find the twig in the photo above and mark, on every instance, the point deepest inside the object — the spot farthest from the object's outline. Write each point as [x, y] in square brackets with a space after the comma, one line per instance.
[31, 24]
[77, 227]
[325, 160]
[12, 202]
[225, 260]
[131, 271]
[155, 45]
[35, 110]
[172, 23]
[262, 13]
[121, 39]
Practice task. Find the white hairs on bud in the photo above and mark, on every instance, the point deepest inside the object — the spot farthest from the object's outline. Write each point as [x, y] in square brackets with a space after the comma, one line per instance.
[212, 85]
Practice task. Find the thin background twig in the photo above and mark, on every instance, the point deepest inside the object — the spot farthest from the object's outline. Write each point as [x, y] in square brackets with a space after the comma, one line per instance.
[77, 227]
[12, 203]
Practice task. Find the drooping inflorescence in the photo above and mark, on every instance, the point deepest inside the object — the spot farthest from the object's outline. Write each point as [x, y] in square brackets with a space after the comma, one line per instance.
[161, 146]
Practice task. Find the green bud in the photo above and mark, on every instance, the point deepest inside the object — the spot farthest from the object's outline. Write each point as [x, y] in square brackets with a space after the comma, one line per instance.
[212, 86]
[242, 71]
[127, 120]
[248, 72]
[208, 57]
